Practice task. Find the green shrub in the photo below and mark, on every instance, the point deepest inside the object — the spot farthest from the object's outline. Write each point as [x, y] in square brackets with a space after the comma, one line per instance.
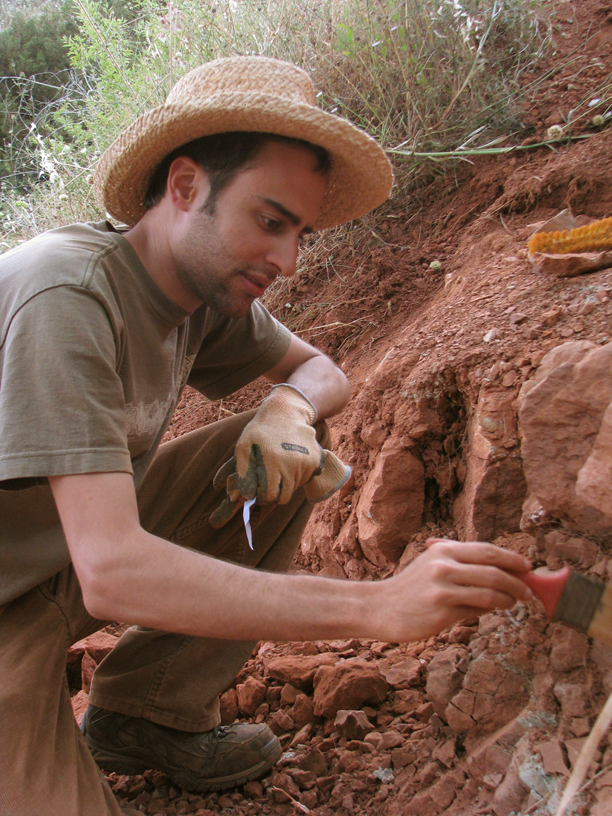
[426, 75]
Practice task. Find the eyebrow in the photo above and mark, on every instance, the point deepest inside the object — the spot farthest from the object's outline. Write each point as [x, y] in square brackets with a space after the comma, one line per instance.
[291, 216]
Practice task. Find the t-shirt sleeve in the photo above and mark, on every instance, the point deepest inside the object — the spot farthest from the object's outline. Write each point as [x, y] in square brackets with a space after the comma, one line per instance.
[236, 352]
[61, 400]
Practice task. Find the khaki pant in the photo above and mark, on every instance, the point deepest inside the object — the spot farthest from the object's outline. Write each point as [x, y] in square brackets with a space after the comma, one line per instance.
[173, 680]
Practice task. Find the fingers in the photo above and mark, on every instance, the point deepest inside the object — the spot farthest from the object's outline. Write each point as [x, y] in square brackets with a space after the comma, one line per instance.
[222, 474]
[226, 511]
[331, 476]
[476, 574]
[480, 552]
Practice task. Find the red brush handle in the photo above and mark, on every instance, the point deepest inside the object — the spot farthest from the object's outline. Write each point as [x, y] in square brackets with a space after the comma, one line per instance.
[548, 586]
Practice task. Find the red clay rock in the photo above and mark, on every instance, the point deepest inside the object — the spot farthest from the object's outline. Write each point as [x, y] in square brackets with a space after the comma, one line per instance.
[348, 684]
[510, 795]
[573, 698]
[315, 762]
[566, 400]
[79, 705]
[594, 483]
[553, 760]
[88, 667]
[569, 648]
[601, 654]
[445, 674]
[289, 694]
[302, 711]
[284, 783]
[574, 747]
[97, 645]
[566, 548]
[493, 754]
[280, 722]
[304, 779]
[228, 703]
[492, 693]
[495, 486]
[299, 670]
[354, 725]
[404, 674]
[391, 504]
[446, 753]
[251, 695]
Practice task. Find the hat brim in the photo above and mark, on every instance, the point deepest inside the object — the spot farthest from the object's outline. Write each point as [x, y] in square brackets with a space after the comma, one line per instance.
[360, 177]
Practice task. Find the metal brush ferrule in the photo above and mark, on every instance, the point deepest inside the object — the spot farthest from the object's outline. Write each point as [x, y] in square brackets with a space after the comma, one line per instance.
[579, 601]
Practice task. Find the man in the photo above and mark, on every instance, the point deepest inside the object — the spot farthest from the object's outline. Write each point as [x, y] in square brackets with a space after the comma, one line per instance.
[101, 330]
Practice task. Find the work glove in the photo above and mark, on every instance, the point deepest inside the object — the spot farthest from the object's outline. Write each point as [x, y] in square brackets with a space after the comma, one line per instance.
[276, 453]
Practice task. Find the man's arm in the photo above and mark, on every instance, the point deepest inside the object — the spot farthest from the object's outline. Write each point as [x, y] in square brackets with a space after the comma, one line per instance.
[129, 575]
[315, 374]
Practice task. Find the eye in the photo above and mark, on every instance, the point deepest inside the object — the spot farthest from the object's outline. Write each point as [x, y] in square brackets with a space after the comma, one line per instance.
[270, 223]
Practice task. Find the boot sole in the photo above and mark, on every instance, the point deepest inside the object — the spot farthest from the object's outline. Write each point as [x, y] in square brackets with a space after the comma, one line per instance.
[128, 765]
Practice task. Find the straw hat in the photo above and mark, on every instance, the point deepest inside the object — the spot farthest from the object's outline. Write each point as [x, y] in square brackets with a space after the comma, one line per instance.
[244, 94]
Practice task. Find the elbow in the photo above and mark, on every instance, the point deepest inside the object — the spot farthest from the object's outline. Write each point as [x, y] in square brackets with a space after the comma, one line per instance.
[103, 597]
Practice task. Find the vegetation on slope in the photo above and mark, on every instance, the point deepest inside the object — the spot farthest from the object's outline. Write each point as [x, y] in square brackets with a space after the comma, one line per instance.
[422, 76]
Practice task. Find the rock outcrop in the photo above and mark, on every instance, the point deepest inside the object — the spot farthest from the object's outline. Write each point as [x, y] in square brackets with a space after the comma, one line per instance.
[566, 432]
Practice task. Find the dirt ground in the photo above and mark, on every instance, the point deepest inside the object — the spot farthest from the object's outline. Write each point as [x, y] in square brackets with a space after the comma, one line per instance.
[433, 305]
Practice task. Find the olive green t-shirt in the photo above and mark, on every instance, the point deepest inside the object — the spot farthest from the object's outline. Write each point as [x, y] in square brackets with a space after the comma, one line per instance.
[93, 359]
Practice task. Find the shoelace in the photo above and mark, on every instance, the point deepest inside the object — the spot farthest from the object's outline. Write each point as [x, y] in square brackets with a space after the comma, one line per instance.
[221, 731]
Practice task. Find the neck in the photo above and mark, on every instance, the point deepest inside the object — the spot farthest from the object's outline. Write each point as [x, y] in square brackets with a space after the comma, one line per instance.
[149, 239]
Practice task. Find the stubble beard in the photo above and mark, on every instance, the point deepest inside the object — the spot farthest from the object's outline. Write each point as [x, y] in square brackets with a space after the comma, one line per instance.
[214, 292]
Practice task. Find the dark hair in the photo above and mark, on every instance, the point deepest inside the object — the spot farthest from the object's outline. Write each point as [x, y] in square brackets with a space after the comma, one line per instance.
[222, 156]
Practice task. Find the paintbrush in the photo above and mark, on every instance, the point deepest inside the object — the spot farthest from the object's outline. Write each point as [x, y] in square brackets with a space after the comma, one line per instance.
[581, 602]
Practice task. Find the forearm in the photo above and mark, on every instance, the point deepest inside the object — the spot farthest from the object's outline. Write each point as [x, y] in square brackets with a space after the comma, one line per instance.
[130, 575]
[315, 374]
[160, 585]
[323, 383]
[163, 586]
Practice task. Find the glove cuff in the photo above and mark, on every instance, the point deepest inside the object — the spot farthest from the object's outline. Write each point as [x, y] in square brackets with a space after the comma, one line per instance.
[312, 414]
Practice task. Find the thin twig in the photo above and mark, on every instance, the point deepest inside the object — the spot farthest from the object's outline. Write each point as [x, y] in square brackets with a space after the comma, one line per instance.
[586, 755]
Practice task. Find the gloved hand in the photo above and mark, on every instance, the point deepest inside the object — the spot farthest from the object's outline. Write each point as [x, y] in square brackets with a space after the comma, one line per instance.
[276, 453]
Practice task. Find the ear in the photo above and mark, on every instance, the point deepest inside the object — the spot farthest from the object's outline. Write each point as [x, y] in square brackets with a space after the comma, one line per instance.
[186, 182]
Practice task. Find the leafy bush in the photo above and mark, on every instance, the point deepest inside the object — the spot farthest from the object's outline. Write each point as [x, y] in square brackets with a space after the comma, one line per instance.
[426, 75]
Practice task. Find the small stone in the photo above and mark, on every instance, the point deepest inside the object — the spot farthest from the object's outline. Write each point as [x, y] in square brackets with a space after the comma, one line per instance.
[228, 703]
[403, 674]
[569, 650]
[280, 722]
[574, 747]
[552, 757]
[251, 694]
[490, 336]
[302, 712]
[517, 318]
[313, 761]
[354, 725]
[253, 789]
[572, 698]
[289, 694]
[309, 799]
[88, 667]
[302, 736]
[347, 685]
[384, 775]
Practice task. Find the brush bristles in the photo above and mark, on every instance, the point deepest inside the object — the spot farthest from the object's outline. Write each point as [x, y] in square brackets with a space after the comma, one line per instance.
[601, 625]
[580, 602]
[595, 237]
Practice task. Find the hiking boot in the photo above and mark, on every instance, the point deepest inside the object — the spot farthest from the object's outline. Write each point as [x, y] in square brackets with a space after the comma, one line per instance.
[211, 760]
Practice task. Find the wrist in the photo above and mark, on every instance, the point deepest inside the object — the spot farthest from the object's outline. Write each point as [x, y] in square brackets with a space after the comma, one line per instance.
[296, 398]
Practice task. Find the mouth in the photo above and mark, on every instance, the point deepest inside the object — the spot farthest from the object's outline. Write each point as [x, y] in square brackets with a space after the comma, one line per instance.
[255, 285]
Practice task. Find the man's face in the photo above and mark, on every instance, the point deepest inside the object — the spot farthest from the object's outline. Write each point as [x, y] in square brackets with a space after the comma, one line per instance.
[229, 257]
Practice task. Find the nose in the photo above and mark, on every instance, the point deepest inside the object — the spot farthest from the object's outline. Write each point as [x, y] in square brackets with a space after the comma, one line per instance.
[283, 255]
